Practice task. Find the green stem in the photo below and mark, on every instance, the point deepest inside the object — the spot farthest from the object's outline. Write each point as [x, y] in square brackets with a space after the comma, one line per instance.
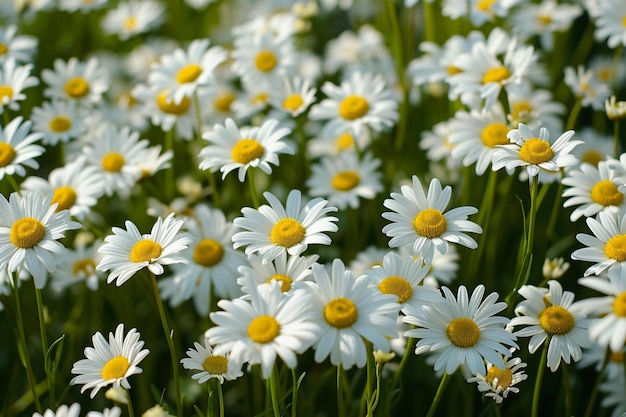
[23, 346]
[294, 393]
[274, 393]
[196, 105]
[368, 389]
[131, 410]
[341, 409]
[220, 398]
[209, 402]
[616, 139]
[215, 195]
[571, 120]
[405, 357]
[596, 385]
[13, 184]
[442, 386]
[429, 21]
[555, 208]
[170, 344]
[540, 371]
[568, 390]
[44, 343]
[169, 174]
[253, 190]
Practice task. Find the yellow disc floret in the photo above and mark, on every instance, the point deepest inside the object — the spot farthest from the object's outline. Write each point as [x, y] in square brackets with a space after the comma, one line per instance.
[168, 106]
[430, 223]
[215, 365]
[265, 61]
[27, 232]
[619, 305]
[7, 154]
[536, 151]
[60, 124]
[263, 329]
[615, 248]
[345, 180]
[113, 162]
[606, 193]
[353, 107]
[463, 332]
[65, 197]
[76, 87]
[5, 91]
[287, 232]
[496, 75]
[246, 150]
[115, 368]
[504, 377]
[293, 102]
[285, 281]
[397, 286]
[188, 73]
[495, 134]
[208, 252]
[341, 313]
[556, 320]
[83, 267]
[146, 250]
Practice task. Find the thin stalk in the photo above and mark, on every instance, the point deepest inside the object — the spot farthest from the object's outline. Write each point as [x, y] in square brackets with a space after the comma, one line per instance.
[131, 411]
[596, 385]
[555, 208]
[294, 393]
[405, 357]
[170, 344]
[442, 386]
[169, 173]
[429, 21]
[341, 409]
[571, 120]
[616, 139]
[209, 402]
[540, 371]
[274, 393]
[568, 390]
[253, 189]
[220, 398]
[13, 184]
[368, 389]
[24, 347]
[44, 343]
[196, 105]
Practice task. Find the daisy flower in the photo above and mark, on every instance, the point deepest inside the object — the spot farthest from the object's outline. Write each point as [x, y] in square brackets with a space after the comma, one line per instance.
[81, 5]
[84, 82]
[609, 328]
[465, 331]
[595, 355]
[110, 362]
[349, 313]
[29, 232]
[475, 137]
[212, 265]
[132, 18]
[551, 316]
[75, 186]
[76, 266]
[274, 229]
[18, 148]
[345, 178]
[402, 278]
[587, 87]
[607, 246]
[479, 11]
[443, 267]
[14, 79]
[609, 22]
[360, 101]
[266, 326]
[63, 411]
[107, 412]
[596, 146]
[436, 143]
[421, 222]
[366, 259]
[498, 383]
[182, 72]
[233, 148]
[221, 367]
[293, 95]
[535, 153]
[613, 395]
[21, 47]
[59, 121]
[593, 190]
[543, 20]
[289, 271]
[263, 58]
[535, 108]
[328, 142]
[127, 251]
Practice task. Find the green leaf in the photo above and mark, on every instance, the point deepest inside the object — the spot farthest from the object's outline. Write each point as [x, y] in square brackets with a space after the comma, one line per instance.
[53, 356]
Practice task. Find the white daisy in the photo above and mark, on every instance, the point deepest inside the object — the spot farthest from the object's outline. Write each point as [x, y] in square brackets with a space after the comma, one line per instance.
[465, 331]
[289, 271]
[419, 221]
[595, 355]
[349, 313]
[613, 395]
[63, 411]
[293, 95]
[609, 22]
[29, 232]
[366, 259]
[107, 412]
[345, 178]
[20, 47]
[596, 146]
[76, 266]
[362, 100]
[498, 383]
[84, 82]
[535, 153]
[182, 72]
[587, 87]
[263, 58]
[274, 229]
[127, 251]
[212, 262]
[267, 326]
[328, 142]
[443, 267]
[14, 79]
[552, 316]
[18, 148]
[607, 246]
[221, 367]
[75, 187]
[81, 5]
[132, 18]
[593, 190]
[233, 148]
[543, 20]
[110, 363]
[59, 121]
[436, 143]
[609, 328]
[535, 108]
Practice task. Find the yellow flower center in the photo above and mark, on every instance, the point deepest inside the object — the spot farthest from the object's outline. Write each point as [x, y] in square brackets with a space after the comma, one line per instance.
[76, 87]
[263, 329]
[484, 5]
[215, 365]
[260, 98]
[495, 134]
[188, 73]
[624, 21]
[83, 267]
[619, 305]
[617, 357]
[5, 91]
[27, 232]
[521, 111]
[293, 102]
[345, 180]
[536, 151]
[285, 281]
[504, 376]
[344, 141]
[168, 106]
[3, 48]
[287, 232]
[208, 252]
[606, 193]
[430, 223]
[65, 197]
[463, 332]
[453, 70]
[7, 154]
[544, 19]
[556, 320]
[353, 107]
[496, 75]
[113, 162]
[60, 124]
[265, 61]
[397, 286]
[223, 102]
[115, 368]
[130, 23]
[341, 313]
[145, 250]
[615, 248]
[592, 157]
[246, 150]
